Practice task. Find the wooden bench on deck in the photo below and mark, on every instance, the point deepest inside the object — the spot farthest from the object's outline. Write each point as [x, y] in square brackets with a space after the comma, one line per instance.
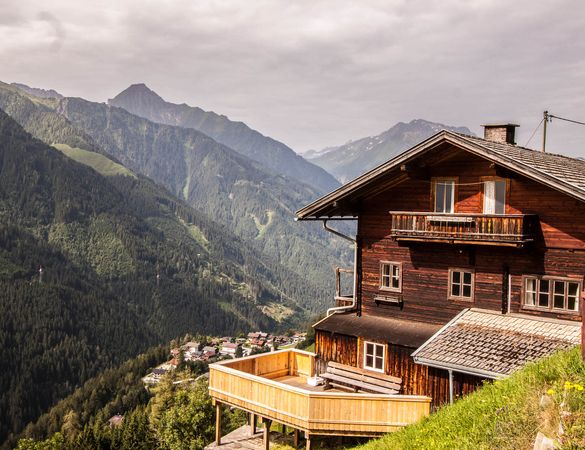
[359, 380]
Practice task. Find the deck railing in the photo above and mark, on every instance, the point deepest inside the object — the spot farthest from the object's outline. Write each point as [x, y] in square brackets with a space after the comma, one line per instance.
[509, 229]
[249, 384]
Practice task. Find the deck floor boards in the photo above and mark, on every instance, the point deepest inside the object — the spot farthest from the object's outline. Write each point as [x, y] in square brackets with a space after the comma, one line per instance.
[301, 382]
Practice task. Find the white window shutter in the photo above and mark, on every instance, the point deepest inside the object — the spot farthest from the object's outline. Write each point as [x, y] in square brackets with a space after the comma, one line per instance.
[489, 197]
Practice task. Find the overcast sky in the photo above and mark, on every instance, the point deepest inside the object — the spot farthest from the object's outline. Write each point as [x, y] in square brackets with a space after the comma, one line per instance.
[316, 73]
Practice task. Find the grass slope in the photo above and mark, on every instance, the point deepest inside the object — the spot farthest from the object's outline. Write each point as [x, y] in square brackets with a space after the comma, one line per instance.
[97, 162]
[508, 414]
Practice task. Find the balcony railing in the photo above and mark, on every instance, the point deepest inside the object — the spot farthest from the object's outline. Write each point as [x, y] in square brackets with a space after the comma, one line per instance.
[491, 229]
[274, 386]
[342, 296]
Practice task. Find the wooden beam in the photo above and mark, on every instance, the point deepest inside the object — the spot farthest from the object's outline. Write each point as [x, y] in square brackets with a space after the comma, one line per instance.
[266, 433]
[218, 409]
[308, 442]
[253, 419]
[296, 438]
[415, 171]
[503, 172]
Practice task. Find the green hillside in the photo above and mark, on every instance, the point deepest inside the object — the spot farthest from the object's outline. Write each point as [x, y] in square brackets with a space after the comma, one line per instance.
[547, 396]
[97, 162]
[101, 243]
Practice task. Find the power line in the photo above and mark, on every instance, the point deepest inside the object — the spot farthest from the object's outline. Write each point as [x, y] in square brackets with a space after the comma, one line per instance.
[567, 120]
[534, 132]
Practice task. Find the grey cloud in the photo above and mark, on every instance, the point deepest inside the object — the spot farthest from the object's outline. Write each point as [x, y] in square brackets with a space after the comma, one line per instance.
[317, 73]
[58, 29]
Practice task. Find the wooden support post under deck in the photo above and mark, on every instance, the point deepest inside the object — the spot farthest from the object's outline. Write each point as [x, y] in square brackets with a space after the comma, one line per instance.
[266, 433]
[253, 418]
[308, 441]
[296, 436]
[217, 423]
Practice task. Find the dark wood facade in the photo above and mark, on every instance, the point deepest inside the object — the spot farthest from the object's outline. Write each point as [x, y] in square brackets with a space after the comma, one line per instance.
[417, 379]
[552, 245]
[558, 250]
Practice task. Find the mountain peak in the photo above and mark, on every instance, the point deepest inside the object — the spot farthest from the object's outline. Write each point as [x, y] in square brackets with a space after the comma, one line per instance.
[138, 92]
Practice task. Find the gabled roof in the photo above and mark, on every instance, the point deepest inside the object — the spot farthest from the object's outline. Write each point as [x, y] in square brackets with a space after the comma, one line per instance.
[493, 345]
[559, 172]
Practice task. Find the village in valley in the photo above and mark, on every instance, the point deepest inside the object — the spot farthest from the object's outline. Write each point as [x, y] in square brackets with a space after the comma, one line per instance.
[212, 349]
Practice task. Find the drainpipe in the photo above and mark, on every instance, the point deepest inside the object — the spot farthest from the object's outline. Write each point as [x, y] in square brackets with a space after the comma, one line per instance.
[339, 309]
[509, 292]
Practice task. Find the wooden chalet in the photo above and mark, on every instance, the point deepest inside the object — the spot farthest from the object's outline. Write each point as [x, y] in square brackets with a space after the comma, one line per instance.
[469, 262]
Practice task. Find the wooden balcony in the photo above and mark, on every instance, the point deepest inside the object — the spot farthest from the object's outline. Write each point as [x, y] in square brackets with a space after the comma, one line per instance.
[487, 229]
[274, 387]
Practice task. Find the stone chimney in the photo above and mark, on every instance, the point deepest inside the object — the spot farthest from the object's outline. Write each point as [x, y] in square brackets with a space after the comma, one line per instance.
[503, 133]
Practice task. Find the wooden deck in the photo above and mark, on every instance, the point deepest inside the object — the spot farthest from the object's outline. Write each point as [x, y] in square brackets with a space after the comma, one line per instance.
[273, 387]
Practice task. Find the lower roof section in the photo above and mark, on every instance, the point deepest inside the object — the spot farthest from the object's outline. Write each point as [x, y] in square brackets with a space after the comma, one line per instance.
[399, 332]
[493, 345]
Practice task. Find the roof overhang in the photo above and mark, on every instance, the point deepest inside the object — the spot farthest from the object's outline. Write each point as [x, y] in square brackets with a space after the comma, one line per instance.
[335, 204]
[406, 333]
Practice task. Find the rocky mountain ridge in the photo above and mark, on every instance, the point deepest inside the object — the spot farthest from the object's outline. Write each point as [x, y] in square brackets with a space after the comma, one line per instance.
[353, 158]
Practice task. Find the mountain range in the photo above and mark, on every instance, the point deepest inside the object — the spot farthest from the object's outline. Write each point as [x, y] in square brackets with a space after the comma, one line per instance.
[231, 189]
[350, 160]
[275, 156]
[37, 92]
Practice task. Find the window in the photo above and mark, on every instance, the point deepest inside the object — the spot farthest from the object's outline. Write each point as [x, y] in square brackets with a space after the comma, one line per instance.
[561, 295]
[374, 355]
[390, 276]
[494, 197]
[444, 195]
[461, 284]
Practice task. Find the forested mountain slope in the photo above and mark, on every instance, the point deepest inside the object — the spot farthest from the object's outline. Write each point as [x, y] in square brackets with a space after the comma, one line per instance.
[274, 155]
[226, 186]
[230, 188]
[101, 242]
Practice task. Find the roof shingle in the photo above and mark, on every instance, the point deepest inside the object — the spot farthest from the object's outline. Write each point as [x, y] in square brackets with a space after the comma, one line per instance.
[494, 345]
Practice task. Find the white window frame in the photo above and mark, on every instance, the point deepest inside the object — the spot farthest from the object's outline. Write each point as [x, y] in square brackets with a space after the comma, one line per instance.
[375, 357]
[391, 276]
[445, 181]
[550, 293]
[461, 297]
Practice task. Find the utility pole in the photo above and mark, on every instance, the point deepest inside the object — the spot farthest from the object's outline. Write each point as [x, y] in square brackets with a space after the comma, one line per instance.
[546, 119]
